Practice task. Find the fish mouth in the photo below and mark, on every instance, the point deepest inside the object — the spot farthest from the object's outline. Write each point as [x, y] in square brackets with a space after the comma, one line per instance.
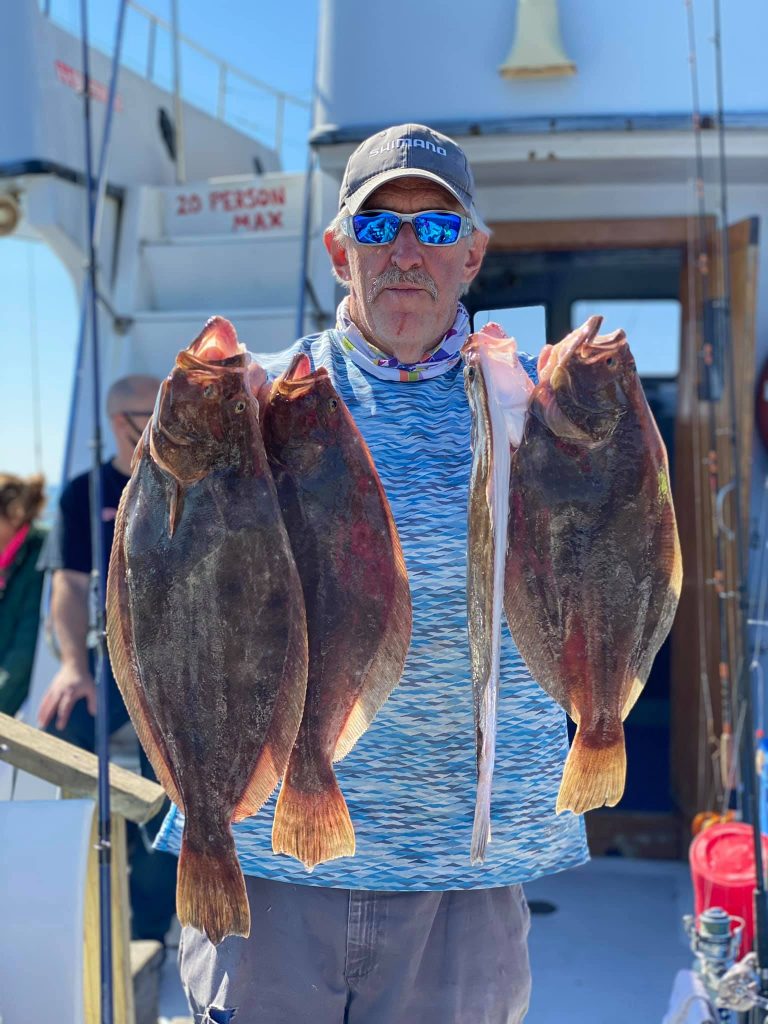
[603, 345]
[585, 343]
[491, 336]
[215, 345]
[583, 336]
[299, 379]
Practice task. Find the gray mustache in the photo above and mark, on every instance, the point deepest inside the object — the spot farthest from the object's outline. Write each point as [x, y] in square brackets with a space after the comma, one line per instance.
[395, 276]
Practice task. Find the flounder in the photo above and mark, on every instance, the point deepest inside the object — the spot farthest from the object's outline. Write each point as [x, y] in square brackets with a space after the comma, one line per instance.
[205, 617]
[356, 593]
[594, 570]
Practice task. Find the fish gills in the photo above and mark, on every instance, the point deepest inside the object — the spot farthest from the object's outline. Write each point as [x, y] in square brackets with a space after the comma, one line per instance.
[594, 569]
[205, 618]
[357, 599]
[498, 390]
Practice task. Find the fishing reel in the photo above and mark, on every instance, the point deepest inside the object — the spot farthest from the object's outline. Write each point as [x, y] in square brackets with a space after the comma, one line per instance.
[715, 937]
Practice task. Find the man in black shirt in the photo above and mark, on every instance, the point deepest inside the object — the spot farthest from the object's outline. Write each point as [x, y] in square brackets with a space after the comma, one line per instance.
[69, 705]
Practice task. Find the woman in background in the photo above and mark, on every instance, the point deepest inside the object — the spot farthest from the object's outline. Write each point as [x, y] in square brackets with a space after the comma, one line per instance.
[21, 502]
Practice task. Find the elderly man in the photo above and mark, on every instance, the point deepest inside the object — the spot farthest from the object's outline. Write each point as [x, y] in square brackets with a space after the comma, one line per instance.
[407, 930]
[68, 707]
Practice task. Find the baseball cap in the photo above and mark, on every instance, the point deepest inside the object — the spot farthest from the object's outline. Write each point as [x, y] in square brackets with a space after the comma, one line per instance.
[408, 151]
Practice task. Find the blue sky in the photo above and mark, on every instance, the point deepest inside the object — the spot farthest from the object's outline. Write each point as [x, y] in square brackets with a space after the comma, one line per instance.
[37, 298]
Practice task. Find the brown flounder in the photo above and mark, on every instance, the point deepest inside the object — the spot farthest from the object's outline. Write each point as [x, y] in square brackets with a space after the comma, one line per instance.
[594, 569]
[205, 617]
[498, 390]
[356, 593]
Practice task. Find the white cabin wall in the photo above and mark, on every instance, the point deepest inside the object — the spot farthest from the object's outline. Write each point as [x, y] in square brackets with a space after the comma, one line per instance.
[631, 58]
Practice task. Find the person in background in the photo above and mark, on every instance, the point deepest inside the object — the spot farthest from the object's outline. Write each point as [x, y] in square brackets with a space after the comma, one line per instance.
[21, 582]
[68, 707]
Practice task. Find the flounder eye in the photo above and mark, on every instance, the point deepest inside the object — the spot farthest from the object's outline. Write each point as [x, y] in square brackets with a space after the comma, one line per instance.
[333, 404]
[240, 406]
[209, 391]
[610, 361]
[471, 372]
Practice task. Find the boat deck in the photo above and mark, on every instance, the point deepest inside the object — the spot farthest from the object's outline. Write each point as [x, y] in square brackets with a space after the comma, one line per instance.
[606, 943]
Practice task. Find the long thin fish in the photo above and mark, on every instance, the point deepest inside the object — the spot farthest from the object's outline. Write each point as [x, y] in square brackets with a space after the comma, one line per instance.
[498, 390]
[205, 617]
[357, 599]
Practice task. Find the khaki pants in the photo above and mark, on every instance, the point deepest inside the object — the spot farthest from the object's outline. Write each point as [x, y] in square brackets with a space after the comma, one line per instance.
[337, 956]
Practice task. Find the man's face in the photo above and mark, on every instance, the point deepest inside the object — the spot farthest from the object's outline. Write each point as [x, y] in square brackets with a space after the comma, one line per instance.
[403, 295]
[128, 424]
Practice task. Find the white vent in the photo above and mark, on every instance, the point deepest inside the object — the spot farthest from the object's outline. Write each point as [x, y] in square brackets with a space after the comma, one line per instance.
[537, 51]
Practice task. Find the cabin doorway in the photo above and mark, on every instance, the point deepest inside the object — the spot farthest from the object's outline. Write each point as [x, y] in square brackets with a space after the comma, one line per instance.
[540, 280]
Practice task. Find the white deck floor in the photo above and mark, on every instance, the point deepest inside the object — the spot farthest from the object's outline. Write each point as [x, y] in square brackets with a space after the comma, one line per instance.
[611, 950]
[608, 953]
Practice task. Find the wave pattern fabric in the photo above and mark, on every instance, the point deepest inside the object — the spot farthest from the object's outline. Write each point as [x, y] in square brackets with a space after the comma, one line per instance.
[410, 781]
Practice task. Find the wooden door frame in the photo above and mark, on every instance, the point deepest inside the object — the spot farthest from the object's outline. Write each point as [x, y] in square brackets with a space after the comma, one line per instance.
[575, 235]
[635, 834]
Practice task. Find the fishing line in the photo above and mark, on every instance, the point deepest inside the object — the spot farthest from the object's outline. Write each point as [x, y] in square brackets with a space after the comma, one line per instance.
[706, 710]
[727, 348]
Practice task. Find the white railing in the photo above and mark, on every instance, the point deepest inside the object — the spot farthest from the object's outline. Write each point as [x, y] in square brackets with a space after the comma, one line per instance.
[226, 95]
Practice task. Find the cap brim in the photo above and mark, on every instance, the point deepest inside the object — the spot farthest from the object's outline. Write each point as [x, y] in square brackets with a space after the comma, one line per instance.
[356, 200]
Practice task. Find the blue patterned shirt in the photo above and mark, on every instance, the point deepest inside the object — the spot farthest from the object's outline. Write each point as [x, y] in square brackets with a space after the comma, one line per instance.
[410, 780]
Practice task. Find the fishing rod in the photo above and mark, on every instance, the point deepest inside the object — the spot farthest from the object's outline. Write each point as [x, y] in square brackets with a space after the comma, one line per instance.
[306, 223]
[97, 595]
[101, 191]
[751, 794]
[710, 388]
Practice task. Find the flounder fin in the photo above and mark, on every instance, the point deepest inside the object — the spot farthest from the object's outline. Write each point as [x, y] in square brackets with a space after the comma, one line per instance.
[634, 692]
[387, 665]
[124, 664]
[593, 776]
[260, 785]
[312, 827]
[283, 729]
[210, 892]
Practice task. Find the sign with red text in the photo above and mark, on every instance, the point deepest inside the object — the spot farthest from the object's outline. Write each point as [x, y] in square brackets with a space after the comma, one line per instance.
[75, 80]
[270, 204]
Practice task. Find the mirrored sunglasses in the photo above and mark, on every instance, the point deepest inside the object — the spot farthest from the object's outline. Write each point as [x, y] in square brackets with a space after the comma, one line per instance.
[431, 227]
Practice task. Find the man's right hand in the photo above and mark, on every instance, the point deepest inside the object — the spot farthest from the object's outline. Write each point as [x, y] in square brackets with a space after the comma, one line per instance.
[68, 686]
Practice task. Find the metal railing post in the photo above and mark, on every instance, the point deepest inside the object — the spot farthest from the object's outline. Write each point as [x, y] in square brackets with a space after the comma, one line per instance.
[222, 103]
[181, 174]
[279, 123]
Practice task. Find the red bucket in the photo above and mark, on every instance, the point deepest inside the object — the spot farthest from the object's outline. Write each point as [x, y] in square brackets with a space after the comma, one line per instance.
[722, 859]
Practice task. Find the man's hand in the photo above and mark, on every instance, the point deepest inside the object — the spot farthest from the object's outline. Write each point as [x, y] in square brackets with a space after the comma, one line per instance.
[73, 681]
[68, 686]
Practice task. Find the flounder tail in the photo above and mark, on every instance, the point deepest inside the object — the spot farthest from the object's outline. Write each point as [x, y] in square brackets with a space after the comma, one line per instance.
[593, 776]
[313, 827]
[210, 891]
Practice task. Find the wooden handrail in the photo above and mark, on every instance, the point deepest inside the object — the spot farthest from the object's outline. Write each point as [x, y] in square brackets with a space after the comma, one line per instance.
[76, 771]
